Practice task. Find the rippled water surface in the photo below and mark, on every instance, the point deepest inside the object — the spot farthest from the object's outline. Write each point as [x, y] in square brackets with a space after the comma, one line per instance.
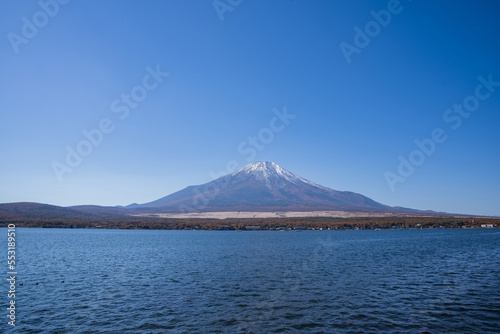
[118, 281]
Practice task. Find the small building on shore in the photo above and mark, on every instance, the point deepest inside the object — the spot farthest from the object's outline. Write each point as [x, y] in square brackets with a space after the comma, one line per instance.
[488, 225]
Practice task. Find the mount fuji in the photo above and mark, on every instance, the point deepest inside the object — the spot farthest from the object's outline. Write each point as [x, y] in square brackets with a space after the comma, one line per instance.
[263, 186]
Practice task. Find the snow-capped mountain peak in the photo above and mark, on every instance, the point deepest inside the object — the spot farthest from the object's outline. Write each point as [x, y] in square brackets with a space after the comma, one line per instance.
[265, 171]
[272, 174]
[264, 186]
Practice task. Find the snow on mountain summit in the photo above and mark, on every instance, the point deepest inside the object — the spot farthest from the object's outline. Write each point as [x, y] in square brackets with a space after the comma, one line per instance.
[271, 174]
[265, 170]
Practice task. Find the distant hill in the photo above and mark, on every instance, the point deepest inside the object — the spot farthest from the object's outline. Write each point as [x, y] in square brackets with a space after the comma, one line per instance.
[101, 210]
[28, 210]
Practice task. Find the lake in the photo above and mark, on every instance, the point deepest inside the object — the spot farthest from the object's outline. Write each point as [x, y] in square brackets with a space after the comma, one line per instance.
[130, 281]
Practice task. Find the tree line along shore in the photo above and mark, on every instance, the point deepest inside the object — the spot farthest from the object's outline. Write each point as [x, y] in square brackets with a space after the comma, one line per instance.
[316, 223]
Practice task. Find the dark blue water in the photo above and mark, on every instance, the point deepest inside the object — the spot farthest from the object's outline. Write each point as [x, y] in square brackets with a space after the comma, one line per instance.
[117, 281]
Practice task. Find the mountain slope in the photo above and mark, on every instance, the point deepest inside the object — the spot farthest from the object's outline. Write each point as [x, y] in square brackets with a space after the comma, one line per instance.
[261, 186]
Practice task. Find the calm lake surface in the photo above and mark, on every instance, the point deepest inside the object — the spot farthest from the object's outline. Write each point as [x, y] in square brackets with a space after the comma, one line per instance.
[119, 281]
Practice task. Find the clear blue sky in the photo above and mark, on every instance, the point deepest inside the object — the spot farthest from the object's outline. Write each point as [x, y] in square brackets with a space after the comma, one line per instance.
[353, 119]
